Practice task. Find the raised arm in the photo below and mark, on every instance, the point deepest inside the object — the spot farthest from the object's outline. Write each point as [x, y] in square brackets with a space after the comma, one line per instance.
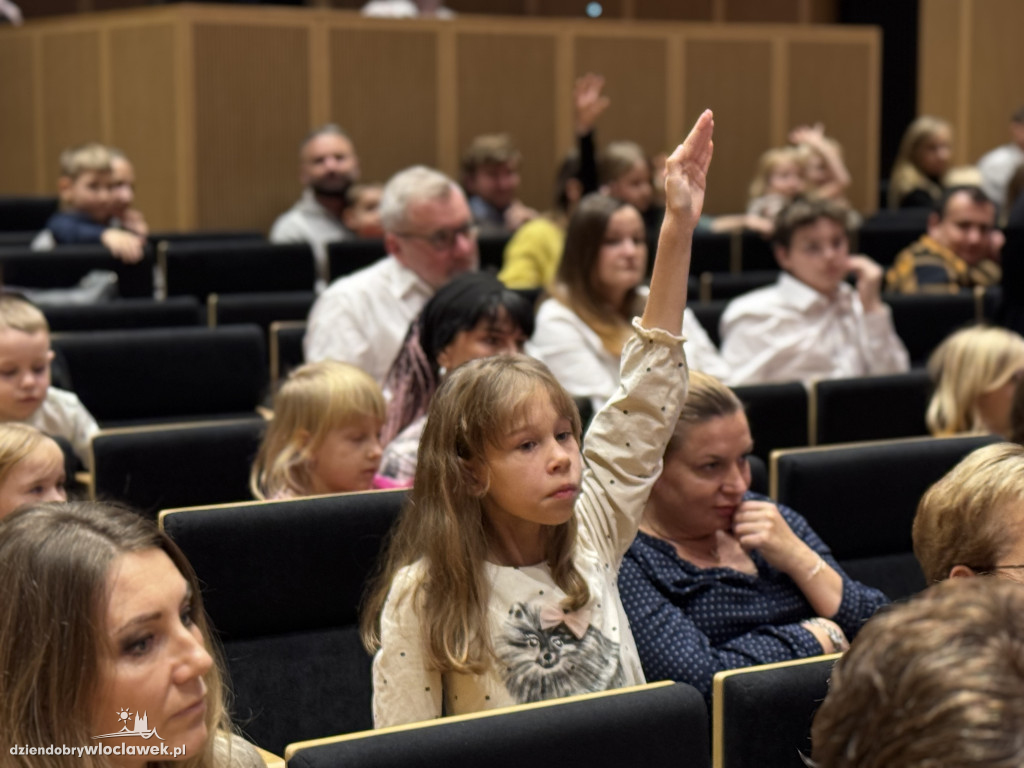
[685, 181]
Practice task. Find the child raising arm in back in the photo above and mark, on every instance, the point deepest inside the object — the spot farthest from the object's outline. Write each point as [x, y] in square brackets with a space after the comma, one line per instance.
[499, 583]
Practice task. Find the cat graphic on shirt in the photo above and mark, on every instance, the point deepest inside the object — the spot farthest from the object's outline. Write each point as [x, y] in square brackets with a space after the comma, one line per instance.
[541, 663]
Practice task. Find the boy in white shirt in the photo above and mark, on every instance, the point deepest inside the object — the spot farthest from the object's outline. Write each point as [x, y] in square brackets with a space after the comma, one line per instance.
[811, 324]
[25, 391]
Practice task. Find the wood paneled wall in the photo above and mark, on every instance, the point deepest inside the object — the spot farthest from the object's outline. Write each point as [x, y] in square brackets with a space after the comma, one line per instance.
[211, 102]
[971, 60]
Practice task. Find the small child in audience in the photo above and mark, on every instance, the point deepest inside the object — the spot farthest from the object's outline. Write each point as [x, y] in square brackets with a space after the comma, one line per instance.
[85, 189]
[324, 436]
[25, 391]
[31, 468]
[824, 170]
[362, 210]
[122, 195]
[779, 179]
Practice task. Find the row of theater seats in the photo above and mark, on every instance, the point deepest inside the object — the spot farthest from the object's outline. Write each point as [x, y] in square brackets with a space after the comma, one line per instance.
[283, 582]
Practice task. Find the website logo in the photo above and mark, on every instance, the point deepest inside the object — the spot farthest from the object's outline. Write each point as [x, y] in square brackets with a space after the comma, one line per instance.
[140, 728]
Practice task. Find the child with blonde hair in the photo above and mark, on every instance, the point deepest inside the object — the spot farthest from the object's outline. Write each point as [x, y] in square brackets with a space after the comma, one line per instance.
[924, 158]
[779, 179]
[25, 391]
[324, 436]
[825, 172]
[499, 582]
[31, 468]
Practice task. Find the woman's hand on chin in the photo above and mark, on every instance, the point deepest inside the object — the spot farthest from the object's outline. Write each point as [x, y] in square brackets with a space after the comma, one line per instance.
[759, 525]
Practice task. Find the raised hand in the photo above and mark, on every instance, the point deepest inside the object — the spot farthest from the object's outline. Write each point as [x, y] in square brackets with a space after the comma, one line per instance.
[588, 102]
[686, 172]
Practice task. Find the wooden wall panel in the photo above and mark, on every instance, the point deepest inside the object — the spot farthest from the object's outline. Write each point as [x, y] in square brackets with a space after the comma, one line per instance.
[499, 7]
[383, 91]
[144, 117]
[677, 10]
[996, 89]
[252, 109]
[734, 78]
[777, 11]
[72, 96]
[18, 131]
[837, 68]
[635, 71]
[506, 83]
[939, 55]
[611, 9]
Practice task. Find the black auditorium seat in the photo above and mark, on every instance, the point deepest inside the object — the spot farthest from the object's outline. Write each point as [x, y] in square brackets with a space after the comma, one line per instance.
[871, 407]
[347, 256]
[230, 266]
[123, 314]
[66, 265]
[924, 320]
[778, 415]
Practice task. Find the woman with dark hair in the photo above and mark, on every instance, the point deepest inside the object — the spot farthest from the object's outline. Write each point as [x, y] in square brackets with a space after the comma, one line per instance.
[102, 623]
[471, 317]
[599, 289]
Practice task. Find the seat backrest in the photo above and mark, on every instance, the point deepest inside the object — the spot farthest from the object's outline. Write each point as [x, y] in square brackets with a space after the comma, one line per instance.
[870, 407]
[159, 374]
[152, 468]
[65, 265]
[655, 726]
[282, 582]
[261, 309]
[712, 252]
[233, 266]
[761, 716]
[285, 349]
[861, 499]
[756, 253]
[21, 213]
[709, 314]
[922, 321]
[725, 285]
[124, 314]
[777, 414]
[347, 256]
[492, 250]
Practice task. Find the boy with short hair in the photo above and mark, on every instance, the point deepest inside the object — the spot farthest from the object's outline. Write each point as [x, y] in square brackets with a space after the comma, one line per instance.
[85, 189]
[25, 391]
[811, 324]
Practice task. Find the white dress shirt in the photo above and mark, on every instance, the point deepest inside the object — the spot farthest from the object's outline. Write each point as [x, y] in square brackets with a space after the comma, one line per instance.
[362, 318]
[62, 414]
[309, 222]
[997, 168]
[790, 332]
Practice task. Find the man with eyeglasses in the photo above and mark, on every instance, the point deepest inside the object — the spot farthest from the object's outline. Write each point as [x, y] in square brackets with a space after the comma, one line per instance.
[430, 238]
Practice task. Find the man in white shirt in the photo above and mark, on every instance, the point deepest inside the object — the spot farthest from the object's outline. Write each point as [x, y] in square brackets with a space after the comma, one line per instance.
[997, 167]
[430, 238]
[811, 324]
[328, 165]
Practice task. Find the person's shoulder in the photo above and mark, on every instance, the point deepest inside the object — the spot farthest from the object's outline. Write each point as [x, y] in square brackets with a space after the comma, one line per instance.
[62, 398]
[753, 303]
[232, 751]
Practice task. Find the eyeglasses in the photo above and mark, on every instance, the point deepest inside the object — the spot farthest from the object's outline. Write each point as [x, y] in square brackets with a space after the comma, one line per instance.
[445, 239]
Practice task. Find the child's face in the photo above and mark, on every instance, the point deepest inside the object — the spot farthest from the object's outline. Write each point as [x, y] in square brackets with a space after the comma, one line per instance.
[818, 255]
[363, 216]
[347, 458]
[88, 193]
[786, 179]
[816, 171]
[533, 475]
[36, 478]
[622, 259]
[122, 186]
[24, 372]
[633, 187]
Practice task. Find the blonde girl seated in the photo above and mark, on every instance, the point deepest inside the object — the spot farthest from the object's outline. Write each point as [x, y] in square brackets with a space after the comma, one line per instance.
[975, 372]
[324, 436]
[779, 179]
[31, 468]
[924, 157]
[499, 582]
[101, 627]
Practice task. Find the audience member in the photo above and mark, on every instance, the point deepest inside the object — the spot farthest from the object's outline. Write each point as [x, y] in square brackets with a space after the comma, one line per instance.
[31, 468]
[85, 190]
[932, 683]
[430, 237]
[779, 179]
[975, 373]
[324, 436]
[624, 173]
[583, 325]
[960, 250]
[825, 173]
[971, 522]
[924, 157]
[122, 195]
[25, 391]
[532, 255]
[811, 324]
[720, 578]
[998, 166]
[328, 165]
[362, 210]
[471, 317]
[102, 619]
[490, 175]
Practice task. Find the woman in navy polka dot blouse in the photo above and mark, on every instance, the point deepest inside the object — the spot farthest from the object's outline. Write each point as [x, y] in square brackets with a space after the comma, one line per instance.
[720, 578]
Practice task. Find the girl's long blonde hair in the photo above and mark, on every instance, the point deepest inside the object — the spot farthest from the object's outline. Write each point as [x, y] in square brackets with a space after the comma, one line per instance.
[770, 159]
[967, 365]
[316, 398]
[54, 561]
[906, 176]
[443, 528]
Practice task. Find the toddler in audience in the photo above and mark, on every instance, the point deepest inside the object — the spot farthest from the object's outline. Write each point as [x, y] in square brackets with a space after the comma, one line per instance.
[779, 179]
[87, 205]
[825, 172]
[810, 324]
[362, 210]
[31, 468]
[25, 391]
[122, 195]
[324, 436]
